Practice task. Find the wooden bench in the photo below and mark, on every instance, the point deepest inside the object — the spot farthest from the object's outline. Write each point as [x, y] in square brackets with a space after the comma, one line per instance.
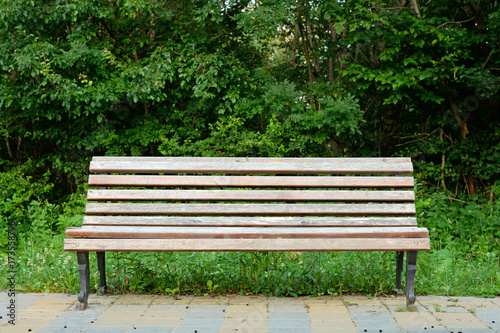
[248, 204]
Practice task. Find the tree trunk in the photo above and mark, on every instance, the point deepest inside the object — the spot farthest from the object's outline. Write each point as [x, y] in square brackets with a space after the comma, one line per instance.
[295, 42]
[315, 60]
[462, 122]
[331, 64]
[331, 60]
[306, 54]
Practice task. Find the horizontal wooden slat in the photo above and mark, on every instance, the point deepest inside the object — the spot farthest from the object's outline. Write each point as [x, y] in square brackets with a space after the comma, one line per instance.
[250, 195]
[242, 221]
[252, 181]
[243, 232]
[358, 244]
[233, 165]
[250, 209]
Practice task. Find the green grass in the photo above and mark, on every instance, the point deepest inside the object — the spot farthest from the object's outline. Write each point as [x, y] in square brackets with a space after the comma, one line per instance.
[43, 266]
[437, 308]
[411, 308]
[463, 261]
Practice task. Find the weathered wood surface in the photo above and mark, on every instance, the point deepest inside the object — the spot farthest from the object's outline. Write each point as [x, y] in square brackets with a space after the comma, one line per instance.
[230, 165]
[255, 209]
[358, 244]
[250, 195]
[135, 232]
[253, 181]
[245, 221]
[249, 204]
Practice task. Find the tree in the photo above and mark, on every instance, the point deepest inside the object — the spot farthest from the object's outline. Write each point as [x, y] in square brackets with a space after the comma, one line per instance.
[426, 76]
[267, 78]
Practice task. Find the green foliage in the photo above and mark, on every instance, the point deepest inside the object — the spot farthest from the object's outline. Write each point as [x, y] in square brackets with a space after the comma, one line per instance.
[465, 240]
[41, 265]
[267, 78]
[259, 79]
[473, 226]
[18, 188]
[450, 271]
[25, 201]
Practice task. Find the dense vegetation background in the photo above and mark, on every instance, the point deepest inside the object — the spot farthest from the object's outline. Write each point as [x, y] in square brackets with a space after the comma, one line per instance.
[252, 78]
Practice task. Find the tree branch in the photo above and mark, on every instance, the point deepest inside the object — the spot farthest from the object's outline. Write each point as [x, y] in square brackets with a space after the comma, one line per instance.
[461, 122]
[9, 151]
[414, 5]
[459, 22]
[487, 59]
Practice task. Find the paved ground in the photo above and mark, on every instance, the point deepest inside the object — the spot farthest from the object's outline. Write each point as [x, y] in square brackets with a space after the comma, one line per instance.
[53, 313]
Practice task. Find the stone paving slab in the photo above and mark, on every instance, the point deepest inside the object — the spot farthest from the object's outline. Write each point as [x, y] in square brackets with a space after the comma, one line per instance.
[438, 329]
[342, 324]
[53, 313]
[416, 320]
[153, 330]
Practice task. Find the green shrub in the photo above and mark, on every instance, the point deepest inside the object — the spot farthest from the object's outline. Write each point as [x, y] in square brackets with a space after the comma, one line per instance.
[463, 259]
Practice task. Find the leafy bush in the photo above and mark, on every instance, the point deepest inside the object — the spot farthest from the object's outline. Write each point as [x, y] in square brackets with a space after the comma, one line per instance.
[470, 226]
[263, 79]
[465, 239]
[25, 199]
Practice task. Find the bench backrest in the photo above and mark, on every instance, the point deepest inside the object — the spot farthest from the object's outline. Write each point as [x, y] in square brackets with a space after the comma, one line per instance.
[176, 191]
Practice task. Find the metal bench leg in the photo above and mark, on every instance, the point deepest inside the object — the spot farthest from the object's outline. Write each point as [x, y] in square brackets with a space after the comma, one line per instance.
[84, 270]
[411, 269]
[399, 270]
[101, 266]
